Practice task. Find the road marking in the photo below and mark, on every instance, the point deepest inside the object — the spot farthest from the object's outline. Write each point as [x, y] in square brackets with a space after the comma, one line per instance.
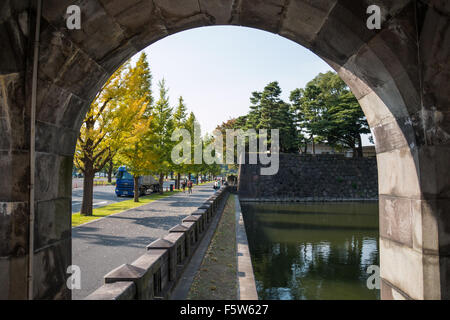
[103, 202]
[95, 204]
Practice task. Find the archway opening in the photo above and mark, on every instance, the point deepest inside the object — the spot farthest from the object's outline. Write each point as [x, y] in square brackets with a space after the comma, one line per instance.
[212, 53]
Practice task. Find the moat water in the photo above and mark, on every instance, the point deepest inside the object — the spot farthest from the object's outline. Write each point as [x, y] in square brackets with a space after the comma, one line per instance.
[314, 251]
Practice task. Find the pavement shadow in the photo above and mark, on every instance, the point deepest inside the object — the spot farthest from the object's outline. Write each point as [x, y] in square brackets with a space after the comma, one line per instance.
[137, 242]
[156, 222]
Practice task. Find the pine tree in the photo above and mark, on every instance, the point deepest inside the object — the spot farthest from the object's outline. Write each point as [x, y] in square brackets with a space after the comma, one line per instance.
[269, 111]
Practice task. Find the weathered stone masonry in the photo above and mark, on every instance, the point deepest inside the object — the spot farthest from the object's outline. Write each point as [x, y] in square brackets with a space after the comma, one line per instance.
[400, 75]
[311, 178]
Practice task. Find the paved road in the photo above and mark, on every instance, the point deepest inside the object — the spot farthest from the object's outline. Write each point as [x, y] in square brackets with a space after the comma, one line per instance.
[78, 182]
[103, 195]
[103, 245]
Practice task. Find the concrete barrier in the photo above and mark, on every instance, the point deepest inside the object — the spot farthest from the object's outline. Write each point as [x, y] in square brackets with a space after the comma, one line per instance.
[188, 229]
[197, 220]
[154, 274]
[122, 290]
[208, 208]
[203, 212]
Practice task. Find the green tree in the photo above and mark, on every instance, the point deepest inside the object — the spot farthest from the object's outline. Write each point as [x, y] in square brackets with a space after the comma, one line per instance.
[209, 168]
[347, 123]
[269, 111]
[162, 125]
[231, 124]
[328, 111]
[180, 122]
[194, 129]
[309, 114]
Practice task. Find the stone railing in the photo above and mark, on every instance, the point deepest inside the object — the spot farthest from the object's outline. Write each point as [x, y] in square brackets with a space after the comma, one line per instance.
[155, 274]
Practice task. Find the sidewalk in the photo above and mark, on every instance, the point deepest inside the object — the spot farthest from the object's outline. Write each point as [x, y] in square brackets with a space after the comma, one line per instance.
[102, 245]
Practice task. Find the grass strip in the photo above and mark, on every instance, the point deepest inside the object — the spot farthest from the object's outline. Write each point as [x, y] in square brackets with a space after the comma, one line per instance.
[217, 277]
[78, 219]
[103, 183]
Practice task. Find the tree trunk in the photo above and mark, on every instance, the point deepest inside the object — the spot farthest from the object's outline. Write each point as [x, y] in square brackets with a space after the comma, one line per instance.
[110, 171]
[161, 183]
[360, 148]
[88, 190]
[178, 180]
[313, 145]
[136, 188]
[197, 179]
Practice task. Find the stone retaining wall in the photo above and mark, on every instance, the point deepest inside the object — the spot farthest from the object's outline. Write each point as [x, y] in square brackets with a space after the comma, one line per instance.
[155, 274]
[311, 178]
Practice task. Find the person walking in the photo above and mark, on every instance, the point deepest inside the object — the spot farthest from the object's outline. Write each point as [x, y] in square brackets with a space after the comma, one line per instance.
[183, 185]
[189, 185]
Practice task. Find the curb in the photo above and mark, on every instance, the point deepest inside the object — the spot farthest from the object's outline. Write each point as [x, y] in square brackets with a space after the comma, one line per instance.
[246, 278]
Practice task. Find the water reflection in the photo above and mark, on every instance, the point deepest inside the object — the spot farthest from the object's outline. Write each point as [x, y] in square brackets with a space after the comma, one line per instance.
[312, 251]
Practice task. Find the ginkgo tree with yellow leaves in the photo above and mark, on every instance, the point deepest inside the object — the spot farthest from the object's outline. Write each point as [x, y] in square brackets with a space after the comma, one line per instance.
[137, 153]
[119, 111]
[125, 126]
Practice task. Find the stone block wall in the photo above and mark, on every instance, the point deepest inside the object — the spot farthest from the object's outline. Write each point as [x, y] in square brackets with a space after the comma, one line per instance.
[155, 274]
[311, 178]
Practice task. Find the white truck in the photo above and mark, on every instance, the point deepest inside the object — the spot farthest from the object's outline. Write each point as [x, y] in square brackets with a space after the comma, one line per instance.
[148, 183]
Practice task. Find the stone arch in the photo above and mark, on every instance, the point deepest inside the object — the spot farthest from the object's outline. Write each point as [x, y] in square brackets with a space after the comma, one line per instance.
[400, 74]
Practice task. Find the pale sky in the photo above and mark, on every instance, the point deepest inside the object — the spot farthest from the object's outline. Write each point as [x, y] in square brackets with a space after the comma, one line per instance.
[217, 68]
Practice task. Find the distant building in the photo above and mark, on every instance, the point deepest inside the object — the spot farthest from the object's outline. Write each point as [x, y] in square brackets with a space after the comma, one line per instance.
[368, 152]
[322, 148]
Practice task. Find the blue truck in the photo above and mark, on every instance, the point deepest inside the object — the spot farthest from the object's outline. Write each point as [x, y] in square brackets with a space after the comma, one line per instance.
[125, 183]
